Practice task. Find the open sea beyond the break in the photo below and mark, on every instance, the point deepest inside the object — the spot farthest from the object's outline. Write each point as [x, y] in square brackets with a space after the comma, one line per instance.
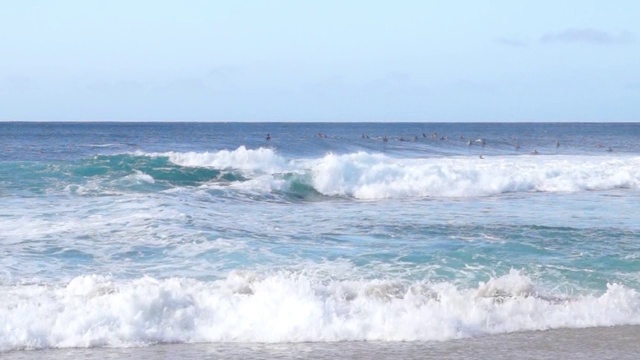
[292, 240]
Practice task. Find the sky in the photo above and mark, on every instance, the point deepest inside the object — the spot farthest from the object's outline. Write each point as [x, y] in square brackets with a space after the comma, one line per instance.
[354, 60]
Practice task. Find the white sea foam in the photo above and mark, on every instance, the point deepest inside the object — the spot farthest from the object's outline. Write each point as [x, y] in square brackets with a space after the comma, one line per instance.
[96, 310]
[367, 176]
[262, 160]
[376, 176]
[140, 177]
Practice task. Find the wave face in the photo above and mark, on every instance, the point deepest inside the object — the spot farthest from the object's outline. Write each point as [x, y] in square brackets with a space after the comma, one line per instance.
[358, 175]
[245, 307]
[128, 234]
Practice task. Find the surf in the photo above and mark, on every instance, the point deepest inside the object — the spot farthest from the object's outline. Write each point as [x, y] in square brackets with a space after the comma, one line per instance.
[96, 310]
[370, 176]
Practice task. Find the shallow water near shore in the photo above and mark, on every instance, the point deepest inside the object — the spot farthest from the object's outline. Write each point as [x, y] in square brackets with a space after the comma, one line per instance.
[576, 344]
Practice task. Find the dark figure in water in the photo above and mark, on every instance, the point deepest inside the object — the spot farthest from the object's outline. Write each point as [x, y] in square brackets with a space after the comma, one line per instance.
[268, 137]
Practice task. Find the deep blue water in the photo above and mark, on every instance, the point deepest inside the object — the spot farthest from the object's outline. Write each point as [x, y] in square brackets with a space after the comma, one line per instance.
[114, 234]
[70, 141]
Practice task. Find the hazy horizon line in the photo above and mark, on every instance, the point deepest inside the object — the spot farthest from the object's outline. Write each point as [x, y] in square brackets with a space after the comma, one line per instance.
[334, 121]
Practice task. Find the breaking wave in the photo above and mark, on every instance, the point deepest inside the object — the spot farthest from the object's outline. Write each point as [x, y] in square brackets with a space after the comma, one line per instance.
[358, 175]
[364, 175]
[93, 310]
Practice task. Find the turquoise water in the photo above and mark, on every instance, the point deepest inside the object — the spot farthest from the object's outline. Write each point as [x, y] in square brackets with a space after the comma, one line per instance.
[120, 234]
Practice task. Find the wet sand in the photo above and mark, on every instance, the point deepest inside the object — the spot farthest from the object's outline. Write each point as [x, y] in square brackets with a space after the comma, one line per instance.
[620, 342]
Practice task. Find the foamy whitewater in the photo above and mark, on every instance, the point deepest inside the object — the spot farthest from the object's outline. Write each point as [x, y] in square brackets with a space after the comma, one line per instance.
[125, 234]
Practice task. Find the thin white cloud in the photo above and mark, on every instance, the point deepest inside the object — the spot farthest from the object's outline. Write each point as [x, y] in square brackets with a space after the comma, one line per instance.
[587, 36]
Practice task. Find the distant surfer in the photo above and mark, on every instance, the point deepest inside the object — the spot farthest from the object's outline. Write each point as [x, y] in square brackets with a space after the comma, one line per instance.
[535, 152]
[268, 137]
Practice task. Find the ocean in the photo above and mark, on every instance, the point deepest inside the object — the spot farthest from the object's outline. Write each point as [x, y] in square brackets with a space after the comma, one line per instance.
[296, 240]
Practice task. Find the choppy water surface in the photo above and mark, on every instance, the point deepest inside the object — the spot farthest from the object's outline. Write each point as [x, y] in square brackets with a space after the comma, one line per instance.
[130, 234]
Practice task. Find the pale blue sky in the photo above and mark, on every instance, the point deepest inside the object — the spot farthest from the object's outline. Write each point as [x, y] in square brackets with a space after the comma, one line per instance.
[320, 61]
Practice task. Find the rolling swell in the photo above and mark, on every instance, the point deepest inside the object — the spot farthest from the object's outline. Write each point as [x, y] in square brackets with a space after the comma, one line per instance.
[158, 168]
[104, 174]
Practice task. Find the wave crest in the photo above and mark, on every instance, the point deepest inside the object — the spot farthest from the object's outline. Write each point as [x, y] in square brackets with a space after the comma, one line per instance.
[263, 160]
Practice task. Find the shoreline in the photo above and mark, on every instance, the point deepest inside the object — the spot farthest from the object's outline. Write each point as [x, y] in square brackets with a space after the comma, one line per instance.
[618, 342]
